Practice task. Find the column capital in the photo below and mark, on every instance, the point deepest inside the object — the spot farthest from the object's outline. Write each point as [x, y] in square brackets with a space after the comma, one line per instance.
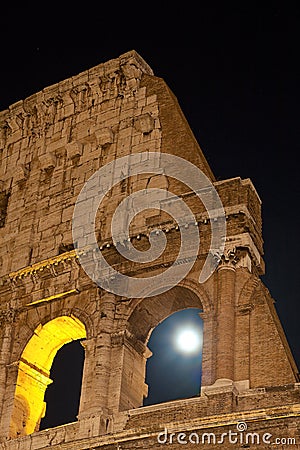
[229, 259]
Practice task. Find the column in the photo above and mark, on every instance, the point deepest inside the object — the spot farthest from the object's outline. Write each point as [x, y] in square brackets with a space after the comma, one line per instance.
[208, 348]
[6, 320]
[225, 319]
[97, 365]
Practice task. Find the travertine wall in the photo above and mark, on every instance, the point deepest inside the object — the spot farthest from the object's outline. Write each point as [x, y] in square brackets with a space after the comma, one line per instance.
[50, 144]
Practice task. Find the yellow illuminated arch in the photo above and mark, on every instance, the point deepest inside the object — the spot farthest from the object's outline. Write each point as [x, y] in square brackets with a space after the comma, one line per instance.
[34, 370]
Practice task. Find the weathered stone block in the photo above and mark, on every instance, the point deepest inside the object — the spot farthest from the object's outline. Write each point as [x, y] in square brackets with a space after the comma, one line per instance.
[144, 123]
[104, 136]
[74, 149]
[47, 161]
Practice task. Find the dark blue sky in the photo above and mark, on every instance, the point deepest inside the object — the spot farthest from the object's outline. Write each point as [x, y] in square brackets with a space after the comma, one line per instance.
[235, 72]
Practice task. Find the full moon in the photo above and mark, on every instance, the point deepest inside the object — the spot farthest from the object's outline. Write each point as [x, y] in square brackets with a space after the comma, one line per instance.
[188, 341]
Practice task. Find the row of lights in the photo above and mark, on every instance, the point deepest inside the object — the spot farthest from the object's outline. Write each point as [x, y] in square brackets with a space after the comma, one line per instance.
[165, 230]
[109, 245]
[157, 232]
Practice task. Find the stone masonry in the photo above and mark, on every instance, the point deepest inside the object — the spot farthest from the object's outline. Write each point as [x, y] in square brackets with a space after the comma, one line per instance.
[50, 145]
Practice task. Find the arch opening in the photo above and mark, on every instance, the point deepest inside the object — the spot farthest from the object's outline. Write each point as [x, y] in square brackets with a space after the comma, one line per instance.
[147, 317]
[63, 395]
[151, 311]
[34, 371]
[174, 369]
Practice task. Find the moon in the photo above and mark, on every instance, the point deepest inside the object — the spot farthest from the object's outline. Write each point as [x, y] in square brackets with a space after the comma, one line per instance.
[188, 341]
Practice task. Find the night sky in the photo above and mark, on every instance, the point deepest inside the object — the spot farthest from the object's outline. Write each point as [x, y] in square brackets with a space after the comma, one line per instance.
[235, 73]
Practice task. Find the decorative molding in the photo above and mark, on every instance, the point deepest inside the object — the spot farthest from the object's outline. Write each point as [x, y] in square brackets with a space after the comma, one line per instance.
[229, 259]
[244, 241]
[53, 297]
[234, 255]
[43, 265]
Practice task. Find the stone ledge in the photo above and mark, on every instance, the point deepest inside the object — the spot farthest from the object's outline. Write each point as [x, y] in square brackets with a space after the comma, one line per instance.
[73, 436]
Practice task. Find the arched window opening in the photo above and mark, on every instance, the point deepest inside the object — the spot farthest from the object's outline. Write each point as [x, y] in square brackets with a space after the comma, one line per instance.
[34, 371]
[63, 395]
[174, 369]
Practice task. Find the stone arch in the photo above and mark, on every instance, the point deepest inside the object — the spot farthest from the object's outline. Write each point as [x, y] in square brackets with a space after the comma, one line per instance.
[145, 316]
[150, 311]
[34, 368]
[200, 291]
[77, 313]
[189, 284]
[36, 317]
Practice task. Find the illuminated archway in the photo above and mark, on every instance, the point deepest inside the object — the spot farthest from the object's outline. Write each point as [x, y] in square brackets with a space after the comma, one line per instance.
[34, 369]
